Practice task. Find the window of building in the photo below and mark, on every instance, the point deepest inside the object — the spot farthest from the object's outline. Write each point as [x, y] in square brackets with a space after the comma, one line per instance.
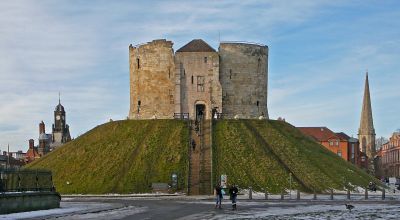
[169, 74]
[330, 143]
[339, 153]
[258, 103]
[205, 59]
[230, 73]
[352, 151]
[138, 63]
[171, 96]
[192, 79]
[200, 83]
[337, 142]
[364, 145]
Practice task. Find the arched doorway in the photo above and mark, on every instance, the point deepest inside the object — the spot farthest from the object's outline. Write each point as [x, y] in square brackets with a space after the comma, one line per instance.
[200, 111]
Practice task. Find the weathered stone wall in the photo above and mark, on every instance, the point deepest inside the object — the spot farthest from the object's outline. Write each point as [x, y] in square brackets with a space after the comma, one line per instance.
[244, 79]
[28, 201]
[199, 82]
[152, 80]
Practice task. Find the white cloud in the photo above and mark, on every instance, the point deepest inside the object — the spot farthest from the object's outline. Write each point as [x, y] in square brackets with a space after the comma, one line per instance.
[80, 48]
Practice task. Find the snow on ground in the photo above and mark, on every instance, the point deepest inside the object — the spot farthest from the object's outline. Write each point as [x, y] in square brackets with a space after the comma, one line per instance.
[79, 210]
[108, 214]
[334, 211]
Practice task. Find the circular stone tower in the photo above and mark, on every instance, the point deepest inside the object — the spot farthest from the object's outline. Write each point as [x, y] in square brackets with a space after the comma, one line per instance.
[244, 79]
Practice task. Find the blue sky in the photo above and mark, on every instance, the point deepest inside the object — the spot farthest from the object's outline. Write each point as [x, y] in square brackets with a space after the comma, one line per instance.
[319, 53]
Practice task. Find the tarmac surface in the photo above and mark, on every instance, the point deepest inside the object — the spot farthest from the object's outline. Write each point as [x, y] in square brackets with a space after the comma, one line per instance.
[186, 207]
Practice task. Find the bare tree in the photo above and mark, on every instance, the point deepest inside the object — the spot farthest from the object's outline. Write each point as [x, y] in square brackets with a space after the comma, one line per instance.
[380, 141]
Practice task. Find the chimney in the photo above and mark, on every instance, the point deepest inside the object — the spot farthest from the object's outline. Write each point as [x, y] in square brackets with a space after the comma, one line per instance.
[31, 143]
[42, 128]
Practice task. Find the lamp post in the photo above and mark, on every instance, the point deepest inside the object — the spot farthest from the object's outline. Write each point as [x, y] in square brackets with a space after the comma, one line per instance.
[290, 185]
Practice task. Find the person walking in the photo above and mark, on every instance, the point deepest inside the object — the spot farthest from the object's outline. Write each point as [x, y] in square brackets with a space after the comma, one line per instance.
[233, 191]
[219, 197]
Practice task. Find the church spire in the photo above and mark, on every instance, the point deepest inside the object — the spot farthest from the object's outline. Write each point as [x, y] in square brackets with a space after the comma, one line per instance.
[366, 122]
[366, 132]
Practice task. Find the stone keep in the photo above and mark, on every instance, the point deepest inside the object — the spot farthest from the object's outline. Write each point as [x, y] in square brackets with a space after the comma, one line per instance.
[197, 80]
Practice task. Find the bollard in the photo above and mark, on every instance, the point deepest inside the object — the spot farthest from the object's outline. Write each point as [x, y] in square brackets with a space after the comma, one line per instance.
[250, 193]
[348, 194]
[331, 194]
[383, 194]
[366, 193]
[266, 195]
[298, 195]
[283, 194]
[315, 195]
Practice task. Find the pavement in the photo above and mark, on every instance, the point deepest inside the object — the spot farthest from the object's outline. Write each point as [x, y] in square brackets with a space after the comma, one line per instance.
[202, 207]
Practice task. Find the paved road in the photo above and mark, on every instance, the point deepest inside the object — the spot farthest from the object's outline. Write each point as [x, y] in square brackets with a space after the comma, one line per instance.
[189, 208]
[194, 208]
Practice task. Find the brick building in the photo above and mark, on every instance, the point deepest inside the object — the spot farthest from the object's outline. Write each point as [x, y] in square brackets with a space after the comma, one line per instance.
[329, 139]
[390, 156]
[339, 143]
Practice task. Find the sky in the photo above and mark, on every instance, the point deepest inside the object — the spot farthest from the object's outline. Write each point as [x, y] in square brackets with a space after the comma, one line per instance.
[319, 52]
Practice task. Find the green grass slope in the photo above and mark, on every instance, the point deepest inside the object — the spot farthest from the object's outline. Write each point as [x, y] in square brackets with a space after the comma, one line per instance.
[261, 154]
[120, 157]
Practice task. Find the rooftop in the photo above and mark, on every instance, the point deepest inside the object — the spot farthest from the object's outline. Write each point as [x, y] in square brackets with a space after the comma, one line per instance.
[196, 45]
[319, 133]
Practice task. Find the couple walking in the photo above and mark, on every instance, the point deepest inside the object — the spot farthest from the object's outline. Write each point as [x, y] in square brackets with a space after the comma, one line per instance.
[219, 192]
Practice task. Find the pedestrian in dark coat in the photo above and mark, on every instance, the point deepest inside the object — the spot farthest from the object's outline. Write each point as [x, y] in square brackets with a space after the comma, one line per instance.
[233, 191]
[218, 194]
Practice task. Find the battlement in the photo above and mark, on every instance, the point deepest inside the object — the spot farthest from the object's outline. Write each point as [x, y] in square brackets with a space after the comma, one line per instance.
[243, 42]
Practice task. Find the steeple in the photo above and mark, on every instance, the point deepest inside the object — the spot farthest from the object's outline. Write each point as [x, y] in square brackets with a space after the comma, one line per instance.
[366, 122]
[366, 132]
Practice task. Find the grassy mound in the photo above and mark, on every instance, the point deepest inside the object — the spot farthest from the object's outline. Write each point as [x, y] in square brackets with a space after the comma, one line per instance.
[127, 156]
[274, 156]
[120, 157]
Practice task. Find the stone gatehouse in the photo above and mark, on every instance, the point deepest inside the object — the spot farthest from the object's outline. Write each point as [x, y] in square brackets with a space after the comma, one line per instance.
[198, 81]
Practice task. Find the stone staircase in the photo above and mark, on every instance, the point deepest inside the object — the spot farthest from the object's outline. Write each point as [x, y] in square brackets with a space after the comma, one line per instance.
[200, 159]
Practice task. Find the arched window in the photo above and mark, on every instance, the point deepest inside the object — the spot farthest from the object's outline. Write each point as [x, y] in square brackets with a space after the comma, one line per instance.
[364, 145]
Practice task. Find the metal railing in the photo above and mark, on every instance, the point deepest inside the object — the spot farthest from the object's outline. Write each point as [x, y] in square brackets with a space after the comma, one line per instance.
[182, 116]
[22, 180]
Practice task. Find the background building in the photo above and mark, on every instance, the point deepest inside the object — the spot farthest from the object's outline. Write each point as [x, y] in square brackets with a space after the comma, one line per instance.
[339, 143]
[366, 132]
[48, 142]
[60, 132]
[391, 156]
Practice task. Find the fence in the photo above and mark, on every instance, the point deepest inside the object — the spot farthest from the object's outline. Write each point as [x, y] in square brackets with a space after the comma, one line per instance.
[182, 116]
[20, 180]
[366, 194]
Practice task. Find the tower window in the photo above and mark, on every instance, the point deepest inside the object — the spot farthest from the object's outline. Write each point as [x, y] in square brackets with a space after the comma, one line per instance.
[258, 103]
[192, 79]
[259, 65]
[200, 83]
[169, 74]
[139, 102]
[138, 63]
[230, 73]
[171, 96]
[205, 59]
